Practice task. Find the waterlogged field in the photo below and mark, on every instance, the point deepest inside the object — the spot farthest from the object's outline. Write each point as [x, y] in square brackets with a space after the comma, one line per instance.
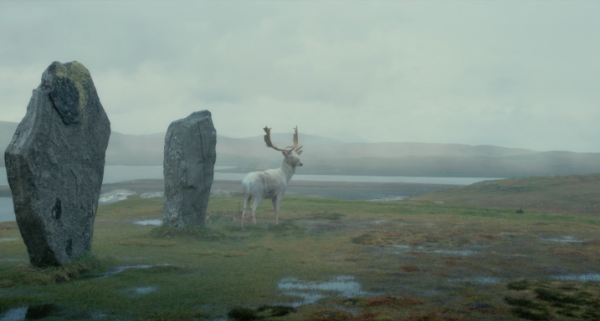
[329, 259]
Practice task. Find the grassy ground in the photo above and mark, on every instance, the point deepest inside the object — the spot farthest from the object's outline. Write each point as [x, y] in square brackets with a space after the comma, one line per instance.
[329, 259]
[576, 194]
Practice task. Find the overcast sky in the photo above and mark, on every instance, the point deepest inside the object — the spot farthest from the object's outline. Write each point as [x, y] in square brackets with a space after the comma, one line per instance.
[508, 73]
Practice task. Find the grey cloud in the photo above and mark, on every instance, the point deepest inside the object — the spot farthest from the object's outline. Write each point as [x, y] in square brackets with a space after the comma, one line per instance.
[518, 74]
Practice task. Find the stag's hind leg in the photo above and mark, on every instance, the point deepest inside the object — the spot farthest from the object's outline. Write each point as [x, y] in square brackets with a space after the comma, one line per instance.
[247, 199]
[276, 200]
[255, 204]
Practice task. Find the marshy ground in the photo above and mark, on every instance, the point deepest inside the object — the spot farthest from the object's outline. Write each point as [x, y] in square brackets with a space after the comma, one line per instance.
[329, 259]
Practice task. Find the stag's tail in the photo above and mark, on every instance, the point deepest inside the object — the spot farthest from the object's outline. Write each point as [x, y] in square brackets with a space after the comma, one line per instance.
[247, 188]
[246, 183]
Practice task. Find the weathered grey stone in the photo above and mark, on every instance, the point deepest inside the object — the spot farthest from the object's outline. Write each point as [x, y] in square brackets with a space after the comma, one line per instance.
[55, 165]
[189, 164]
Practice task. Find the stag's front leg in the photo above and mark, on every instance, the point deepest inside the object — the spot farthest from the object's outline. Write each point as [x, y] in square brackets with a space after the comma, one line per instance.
[276, 200]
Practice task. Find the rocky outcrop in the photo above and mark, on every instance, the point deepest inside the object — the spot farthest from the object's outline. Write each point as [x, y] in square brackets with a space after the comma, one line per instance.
[189, 163]
[55, 165]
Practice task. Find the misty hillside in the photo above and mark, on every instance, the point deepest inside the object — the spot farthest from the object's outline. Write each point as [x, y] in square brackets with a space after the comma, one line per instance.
[327, 156]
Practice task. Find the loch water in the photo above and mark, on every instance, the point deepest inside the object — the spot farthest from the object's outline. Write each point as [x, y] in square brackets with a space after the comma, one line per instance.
[120, 173]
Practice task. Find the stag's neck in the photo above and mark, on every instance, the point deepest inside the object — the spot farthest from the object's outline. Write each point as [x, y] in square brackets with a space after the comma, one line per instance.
[287, 170]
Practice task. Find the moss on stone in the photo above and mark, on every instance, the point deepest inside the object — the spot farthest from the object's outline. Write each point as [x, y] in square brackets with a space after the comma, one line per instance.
[81, 77]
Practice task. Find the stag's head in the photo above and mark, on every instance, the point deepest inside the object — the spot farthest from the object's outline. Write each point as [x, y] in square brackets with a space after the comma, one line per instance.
[291, 153]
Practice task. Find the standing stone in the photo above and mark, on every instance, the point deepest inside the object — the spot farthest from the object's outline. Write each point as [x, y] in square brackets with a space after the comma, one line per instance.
[55, 165]
[189, 164]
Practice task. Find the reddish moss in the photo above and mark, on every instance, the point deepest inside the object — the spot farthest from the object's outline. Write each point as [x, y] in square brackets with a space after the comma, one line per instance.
[411, 268]
[391, 301]
[368, 316]
[490, 236]
[434, 317]
[329, 315]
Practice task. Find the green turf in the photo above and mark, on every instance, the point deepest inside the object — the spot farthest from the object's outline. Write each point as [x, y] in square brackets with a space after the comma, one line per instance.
[571, 194]
[412, 261]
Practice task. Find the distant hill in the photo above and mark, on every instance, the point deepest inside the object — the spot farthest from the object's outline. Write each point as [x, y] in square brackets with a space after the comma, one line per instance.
[323, 155]
[547, 163]
[573, 194]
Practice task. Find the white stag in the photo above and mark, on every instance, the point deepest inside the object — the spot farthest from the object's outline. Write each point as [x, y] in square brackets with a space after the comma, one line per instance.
[271, 183]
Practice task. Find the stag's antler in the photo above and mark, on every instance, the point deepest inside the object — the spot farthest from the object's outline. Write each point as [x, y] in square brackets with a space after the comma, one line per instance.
[296, 147]
[291, 148]
[268, 140]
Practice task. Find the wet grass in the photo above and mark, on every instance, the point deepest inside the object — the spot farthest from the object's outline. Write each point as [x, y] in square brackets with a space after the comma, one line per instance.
[26, 274]
[328, 259]
[545, 300]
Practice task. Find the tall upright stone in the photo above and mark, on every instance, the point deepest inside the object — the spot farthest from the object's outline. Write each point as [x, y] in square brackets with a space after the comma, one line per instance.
[189, 164]
[55, 165]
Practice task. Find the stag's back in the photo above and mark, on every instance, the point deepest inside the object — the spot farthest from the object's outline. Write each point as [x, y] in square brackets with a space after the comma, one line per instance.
[265, 184]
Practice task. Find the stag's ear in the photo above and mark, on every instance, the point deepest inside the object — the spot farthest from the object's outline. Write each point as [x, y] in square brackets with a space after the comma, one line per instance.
[300, 152]
[285, 153]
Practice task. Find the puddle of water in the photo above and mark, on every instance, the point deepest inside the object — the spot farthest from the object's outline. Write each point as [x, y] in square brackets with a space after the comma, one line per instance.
[406, 248]
[98, 315]
[8, 239]
[16, 314]
[388, 199]
[564, 239]
[114, 196]
[311, 292]
[219, 192]
[149, 222]
[479, 279]
[307, 298]
[145, 290]
[119, 269]
[41, 311]
[153, 195]
[454, 252]
[379, 221]
[581, 277]
[481, 305]
[555, 269]
[33, 312]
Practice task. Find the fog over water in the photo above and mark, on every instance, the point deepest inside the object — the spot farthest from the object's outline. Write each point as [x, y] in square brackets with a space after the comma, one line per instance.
[121, 173]
[7, 212]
